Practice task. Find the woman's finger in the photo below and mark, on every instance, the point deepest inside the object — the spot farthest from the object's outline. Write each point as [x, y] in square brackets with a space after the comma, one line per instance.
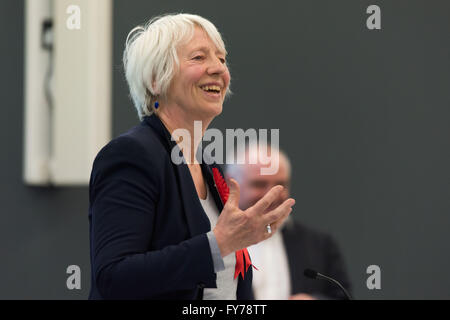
[278, 213]
[265, 202]
[234, 194]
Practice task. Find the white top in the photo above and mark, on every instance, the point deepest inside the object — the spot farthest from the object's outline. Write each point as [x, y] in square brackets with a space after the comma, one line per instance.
[272, 279]
[226, 284]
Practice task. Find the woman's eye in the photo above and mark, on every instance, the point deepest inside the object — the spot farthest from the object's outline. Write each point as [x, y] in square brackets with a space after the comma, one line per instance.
[222, 60]
[198, 58]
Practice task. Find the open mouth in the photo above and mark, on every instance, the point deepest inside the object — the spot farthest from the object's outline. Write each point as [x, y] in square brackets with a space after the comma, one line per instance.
[211, 89]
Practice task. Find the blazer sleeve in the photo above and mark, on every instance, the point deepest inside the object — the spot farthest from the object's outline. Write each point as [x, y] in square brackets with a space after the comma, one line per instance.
[124, 190]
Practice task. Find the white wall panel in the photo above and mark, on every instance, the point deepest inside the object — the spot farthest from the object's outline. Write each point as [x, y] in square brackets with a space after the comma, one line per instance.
[79, 123]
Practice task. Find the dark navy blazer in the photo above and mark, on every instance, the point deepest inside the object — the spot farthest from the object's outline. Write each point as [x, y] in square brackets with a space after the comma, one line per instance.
[147, 226]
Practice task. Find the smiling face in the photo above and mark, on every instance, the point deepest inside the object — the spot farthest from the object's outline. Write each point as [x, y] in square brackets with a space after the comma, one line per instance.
[200, 85]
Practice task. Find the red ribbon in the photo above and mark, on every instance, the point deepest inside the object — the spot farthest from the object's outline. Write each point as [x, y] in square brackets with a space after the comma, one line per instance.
[243, 261]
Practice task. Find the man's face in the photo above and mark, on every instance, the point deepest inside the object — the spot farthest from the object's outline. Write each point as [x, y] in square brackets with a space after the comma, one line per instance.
[254, 186]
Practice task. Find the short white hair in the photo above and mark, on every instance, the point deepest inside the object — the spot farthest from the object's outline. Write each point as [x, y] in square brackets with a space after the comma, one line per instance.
[150, 58]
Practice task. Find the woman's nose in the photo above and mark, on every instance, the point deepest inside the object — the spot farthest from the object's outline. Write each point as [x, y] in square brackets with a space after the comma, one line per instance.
[217, 66]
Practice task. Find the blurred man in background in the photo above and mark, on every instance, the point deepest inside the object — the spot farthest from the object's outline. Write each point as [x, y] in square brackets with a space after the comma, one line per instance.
[283, 258]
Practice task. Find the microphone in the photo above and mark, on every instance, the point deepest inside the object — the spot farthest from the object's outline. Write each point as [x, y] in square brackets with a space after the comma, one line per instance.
[316, 275]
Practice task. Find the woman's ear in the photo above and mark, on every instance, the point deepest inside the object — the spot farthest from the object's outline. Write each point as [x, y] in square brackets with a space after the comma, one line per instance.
[155, 91]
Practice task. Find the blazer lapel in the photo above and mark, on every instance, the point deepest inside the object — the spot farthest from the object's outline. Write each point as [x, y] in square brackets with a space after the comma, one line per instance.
[197, 220]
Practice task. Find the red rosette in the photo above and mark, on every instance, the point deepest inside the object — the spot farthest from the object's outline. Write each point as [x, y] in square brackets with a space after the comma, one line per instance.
[221, 185]
[243, 261]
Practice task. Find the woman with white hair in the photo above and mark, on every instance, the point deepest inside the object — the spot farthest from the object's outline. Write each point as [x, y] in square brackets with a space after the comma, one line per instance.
[160, 230]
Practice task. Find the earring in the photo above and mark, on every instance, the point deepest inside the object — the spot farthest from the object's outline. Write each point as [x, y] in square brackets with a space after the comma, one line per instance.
[156, 104]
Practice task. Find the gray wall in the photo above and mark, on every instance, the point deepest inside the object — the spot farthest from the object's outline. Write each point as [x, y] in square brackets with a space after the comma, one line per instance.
[42, 230]
[362, 114]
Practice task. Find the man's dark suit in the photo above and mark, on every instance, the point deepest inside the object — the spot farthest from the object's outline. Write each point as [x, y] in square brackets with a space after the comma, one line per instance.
[147, 226]
[308, 248]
